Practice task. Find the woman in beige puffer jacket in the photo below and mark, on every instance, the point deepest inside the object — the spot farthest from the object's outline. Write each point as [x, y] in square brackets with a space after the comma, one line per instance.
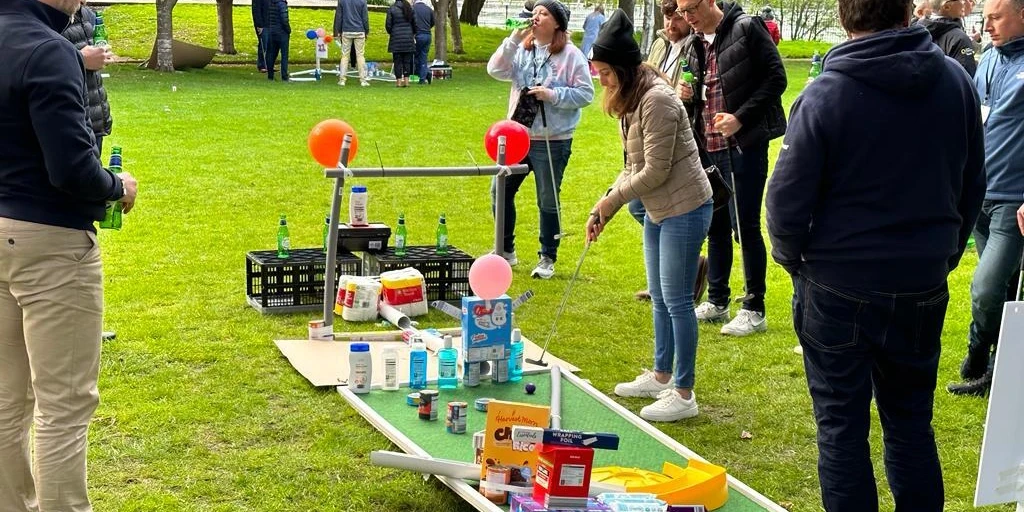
[663, 170]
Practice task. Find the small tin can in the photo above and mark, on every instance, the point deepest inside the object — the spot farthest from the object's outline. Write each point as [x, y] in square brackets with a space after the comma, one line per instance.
[471, 375]
[480, 404]
[318, 330]
[497, 475]
[413, 399]
[478, 446]
[428, 406]
[500, 371]
[455, 419]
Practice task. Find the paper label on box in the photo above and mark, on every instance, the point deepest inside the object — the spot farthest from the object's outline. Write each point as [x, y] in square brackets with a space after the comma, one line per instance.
[406, 295]
[571, 475]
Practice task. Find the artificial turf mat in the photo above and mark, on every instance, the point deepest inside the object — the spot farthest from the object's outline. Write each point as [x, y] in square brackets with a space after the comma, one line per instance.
[580, 411]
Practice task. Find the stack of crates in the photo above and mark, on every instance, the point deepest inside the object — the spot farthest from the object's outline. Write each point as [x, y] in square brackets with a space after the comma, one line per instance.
[295, 283]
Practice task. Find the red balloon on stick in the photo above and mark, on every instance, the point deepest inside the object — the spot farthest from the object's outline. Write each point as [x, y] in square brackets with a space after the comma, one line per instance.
[517, 141]
[325, 141]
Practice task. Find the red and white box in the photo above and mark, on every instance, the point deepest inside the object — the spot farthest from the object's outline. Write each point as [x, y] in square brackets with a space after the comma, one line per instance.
[563, 474]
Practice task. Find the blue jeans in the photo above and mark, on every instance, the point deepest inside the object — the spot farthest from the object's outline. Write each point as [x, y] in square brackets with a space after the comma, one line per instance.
[857, 342]
[537, 161]
[671, 250]
[422, 49]
[999, 244]
[751, 172]
[277, 42]
[637, 210]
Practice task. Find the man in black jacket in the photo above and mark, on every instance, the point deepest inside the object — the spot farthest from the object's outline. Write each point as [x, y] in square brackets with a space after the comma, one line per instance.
[736, 103]
[80, 32]
[947, 28]
[259, 22]
[52, 189]
[870, 218]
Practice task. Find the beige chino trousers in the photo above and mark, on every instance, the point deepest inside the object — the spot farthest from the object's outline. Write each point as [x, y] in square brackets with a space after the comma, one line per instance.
[51, 313]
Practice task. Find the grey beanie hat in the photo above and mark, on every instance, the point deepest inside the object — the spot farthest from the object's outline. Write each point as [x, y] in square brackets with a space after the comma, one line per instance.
[558, 10]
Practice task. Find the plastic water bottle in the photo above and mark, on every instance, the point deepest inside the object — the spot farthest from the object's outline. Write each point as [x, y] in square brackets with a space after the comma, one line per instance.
[516, 360]
[390, 356]
[283, 240]
[327, 230]
[360, 368]
[815, 66]
[687, 75]
[418, 364]
[442, 236]
[357, 215]
[447, 365]
[99, 37]
[112, 216]
[401, 237]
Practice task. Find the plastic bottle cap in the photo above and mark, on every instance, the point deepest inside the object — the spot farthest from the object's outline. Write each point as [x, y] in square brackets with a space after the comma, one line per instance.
[447, 341]
[359, 347]
[517, 334]
[358, 188]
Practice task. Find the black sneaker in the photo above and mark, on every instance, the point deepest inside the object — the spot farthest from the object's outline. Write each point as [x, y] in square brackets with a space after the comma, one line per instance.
[975, 363]
[976, 387]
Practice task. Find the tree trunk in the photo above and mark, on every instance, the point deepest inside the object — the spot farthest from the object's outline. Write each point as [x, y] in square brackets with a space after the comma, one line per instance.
[647, 39]
[628, 6]
[471, 11]
[440, 30]
[225, 27]
[456, 28]
[164, 35]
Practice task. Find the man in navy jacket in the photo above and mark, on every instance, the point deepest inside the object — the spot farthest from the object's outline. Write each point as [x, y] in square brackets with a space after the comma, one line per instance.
[52, 189]
[869, 218]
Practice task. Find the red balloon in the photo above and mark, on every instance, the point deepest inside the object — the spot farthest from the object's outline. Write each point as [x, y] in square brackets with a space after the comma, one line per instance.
[325, 141]
[517, 141]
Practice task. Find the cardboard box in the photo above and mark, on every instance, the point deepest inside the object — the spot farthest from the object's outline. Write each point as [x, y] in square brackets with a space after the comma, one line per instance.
[527, 504]
[563, 473]
[486, 329]
[500, 450]
[565, 437]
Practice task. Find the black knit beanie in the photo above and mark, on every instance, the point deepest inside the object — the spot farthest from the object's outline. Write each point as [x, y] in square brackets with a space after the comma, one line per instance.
[558, 10]
[615, 44]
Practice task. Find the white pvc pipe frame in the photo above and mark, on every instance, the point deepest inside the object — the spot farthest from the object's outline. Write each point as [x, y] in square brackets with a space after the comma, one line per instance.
[341, 172]
[478, 501]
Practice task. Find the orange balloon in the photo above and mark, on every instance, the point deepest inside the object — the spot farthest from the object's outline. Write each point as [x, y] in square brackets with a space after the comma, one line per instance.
[325, 142]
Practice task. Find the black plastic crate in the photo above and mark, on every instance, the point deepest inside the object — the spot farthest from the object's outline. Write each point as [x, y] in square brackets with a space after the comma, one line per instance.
[446, 277]
[295, 283]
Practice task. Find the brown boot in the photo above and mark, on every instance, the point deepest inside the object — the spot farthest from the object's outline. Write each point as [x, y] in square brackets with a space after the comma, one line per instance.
[643, 295]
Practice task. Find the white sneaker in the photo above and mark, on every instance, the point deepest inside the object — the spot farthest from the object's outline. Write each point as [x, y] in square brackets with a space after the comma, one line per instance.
[364, 84]
[746, 322]
[670, 407]
[341, 83]
[708, 312]
[799, 349]
[545, 268]
[645, 385]
[510, 257]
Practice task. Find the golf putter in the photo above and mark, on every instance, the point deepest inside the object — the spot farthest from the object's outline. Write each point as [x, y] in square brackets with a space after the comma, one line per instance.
[739, 232]
[551, 171]
[561, 307]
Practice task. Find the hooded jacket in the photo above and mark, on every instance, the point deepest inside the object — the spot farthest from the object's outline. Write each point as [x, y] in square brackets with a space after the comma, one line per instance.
[952, 40]
[753, 77]
[49, 171]
[1000, 82]
[351, 16]
[401, 29]
[80, 33]
[860, 198]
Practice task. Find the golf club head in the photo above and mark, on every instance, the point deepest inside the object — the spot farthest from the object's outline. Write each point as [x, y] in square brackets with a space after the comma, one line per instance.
[744, 298]
[537, 362]
[559, 236]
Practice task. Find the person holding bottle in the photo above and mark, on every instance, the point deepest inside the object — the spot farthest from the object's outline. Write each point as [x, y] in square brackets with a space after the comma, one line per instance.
[400, 25]
[663, 170]
[544, 67]
[53, 189]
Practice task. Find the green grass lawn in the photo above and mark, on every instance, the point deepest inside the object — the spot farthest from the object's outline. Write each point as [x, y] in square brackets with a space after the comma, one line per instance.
[133, 29]
[199, 410]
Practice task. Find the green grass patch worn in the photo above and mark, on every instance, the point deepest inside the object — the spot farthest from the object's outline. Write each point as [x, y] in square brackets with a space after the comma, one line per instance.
[199, 410]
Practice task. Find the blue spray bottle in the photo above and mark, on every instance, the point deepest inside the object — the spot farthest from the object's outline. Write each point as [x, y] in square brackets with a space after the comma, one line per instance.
[418, 364]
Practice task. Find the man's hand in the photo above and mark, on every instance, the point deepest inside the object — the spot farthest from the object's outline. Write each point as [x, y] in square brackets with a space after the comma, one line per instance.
[1020, 219]
[259, 31]
[726, 124]
[131, 188]
[685, 91]
[95, 57]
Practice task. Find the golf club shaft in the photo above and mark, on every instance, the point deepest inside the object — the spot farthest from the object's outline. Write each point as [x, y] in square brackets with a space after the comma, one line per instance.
[551, 169]
[739, 231]
[561, 307]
